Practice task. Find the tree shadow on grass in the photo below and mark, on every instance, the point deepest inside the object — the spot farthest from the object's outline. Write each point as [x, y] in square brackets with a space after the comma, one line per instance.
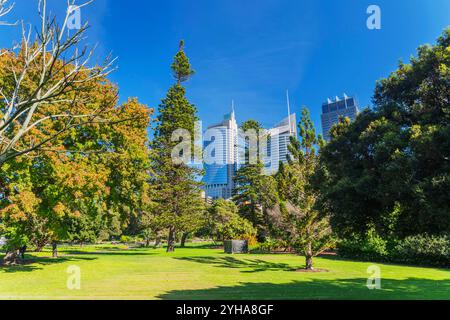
[202, 246]
[321, 289]
[250, 265]
[397, 264]
[107, 253]
[32, 263]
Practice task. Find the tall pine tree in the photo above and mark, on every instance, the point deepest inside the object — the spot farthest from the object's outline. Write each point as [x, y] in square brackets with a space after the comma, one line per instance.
[178, 196]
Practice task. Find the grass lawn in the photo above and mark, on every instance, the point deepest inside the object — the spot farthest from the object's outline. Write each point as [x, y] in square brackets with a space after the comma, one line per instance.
[115, 272]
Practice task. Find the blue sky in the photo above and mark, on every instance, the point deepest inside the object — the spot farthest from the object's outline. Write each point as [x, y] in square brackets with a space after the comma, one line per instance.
[252, 51]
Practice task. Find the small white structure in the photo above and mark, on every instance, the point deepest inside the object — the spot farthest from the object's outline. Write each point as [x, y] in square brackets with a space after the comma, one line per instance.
[2, 241]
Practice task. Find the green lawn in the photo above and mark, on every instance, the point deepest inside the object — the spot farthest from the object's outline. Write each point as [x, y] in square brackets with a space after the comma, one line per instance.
[197, 273]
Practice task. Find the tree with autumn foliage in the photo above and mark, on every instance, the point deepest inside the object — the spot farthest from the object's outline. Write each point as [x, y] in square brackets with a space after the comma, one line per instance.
[88, 183]
[45, 69]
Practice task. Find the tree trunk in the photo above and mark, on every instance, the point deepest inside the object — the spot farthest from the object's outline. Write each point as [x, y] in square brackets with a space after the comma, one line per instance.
[309, 262]
[158, 241]
[12, 258]
[40, 245]
[22, 251]
[55, 249]
[309, 257]
[147, 242]
[183, 239]
[171, 240]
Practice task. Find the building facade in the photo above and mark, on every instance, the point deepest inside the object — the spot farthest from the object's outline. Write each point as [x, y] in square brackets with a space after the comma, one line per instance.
[332, 110]
[277, 144]
[220, 163]
[224, 148]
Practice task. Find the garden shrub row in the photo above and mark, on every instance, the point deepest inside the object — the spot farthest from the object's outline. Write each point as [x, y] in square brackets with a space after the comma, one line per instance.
[421, 250]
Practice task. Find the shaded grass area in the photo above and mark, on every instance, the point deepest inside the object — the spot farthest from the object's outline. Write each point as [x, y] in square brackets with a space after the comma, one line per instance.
[199, 272]
[321, 289]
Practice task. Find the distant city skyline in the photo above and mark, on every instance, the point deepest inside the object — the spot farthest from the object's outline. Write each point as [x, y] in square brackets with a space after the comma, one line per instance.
[313, 48]
[225, 151]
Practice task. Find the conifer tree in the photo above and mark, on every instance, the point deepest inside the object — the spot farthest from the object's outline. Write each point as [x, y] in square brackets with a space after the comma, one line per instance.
[178, 196]
[254, 191]
[301, 222]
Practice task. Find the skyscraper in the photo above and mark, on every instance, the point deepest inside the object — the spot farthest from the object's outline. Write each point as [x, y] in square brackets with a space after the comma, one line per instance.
[221, 161]
[333, 110]
[278, 142]
[225, 150]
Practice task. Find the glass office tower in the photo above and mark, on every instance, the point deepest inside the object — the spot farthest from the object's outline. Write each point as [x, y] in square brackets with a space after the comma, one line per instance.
[221, 160]
[278, 142]
[333, 110]
[224, 151]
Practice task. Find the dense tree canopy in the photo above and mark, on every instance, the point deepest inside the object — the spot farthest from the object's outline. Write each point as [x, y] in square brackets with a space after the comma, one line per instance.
[390, 169]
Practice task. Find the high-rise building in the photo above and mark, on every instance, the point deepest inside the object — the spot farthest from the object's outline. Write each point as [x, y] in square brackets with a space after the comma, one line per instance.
[225, 151]
[332, 110]
[221, 163]
[277, 143]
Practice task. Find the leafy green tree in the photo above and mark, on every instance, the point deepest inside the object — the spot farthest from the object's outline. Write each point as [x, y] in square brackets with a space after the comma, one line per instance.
[225, 223]
[390, 169]
[128, 163]
[178, 201]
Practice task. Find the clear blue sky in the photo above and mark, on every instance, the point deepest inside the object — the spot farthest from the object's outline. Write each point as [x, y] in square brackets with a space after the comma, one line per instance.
[252, 51]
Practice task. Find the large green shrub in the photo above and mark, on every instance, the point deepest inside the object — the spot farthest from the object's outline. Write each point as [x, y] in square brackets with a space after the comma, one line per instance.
[236, 228]
[423, 250]
[415, 250]
[370, 248]
[273, 245]
[225, 223]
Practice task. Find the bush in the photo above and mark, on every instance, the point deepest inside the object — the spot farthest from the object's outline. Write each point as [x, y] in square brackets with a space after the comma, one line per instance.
[269, 245]
[251, 239]
[415, 250]
[370, 248]
[236, 229]
[125, 239]
[225, 223]
[423, 250]
[272, 245]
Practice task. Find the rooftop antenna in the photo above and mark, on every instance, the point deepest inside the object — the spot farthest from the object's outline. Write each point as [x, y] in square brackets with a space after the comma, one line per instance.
[289, 111]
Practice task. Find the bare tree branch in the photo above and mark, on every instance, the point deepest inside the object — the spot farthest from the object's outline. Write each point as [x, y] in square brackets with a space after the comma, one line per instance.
[58, 69]
[5, 9]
